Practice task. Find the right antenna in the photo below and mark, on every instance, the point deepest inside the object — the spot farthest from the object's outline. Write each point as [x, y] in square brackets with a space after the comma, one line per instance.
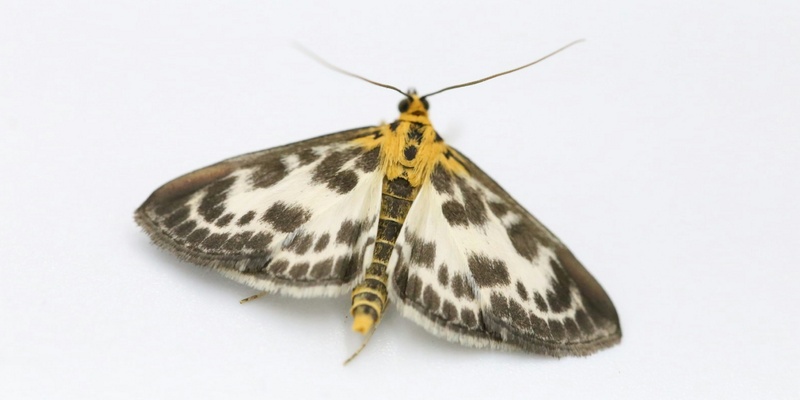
[502, 73]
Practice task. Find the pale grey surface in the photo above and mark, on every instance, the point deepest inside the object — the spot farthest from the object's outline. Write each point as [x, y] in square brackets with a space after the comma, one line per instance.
[664, 151]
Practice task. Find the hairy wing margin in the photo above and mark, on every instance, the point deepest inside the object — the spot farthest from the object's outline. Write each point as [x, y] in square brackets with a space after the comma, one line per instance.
[273, 219]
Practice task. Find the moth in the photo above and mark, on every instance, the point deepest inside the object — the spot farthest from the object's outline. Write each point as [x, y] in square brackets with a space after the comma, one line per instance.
[388, 214]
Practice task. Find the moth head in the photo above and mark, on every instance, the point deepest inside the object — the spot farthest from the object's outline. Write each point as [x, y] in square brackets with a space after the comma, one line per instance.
[413, 105]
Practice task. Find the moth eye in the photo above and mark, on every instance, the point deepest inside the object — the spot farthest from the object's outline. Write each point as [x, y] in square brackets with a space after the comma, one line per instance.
[403, 106]
[425, 103]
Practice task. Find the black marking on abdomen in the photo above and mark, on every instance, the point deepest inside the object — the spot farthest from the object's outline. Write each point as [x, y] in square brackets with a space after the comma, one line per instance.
[388, 230]
[393, 208]
[399, 188]
[382, 252]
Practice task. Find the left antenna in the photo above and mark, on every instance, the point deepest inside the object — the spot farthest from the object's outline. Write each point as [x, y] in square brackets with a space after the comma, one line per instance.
[342, 71]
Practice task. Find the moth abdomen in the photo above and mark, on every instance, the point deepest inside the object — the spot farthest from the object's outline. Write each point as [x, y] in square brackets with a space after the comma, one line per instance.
[370, 297]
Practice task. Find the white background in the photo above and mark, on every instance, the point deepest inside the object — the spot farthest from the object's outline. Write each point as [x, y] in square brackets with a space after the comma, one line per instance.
[663, 150]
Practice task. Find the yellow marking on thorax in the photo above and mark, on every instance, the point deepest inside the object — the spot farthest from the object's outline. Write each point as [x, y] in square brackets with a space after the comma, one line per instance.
[395, 142]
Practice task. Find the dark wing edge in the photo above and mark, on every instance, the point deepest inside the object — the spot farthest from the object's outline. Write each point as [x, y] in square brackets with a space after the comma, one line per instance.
[591, 291]
[163, 201]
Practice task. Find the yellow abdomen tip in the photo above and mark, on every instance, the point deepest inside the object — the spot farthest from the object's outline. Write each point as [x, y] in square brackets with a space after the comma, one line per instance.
[362, 323]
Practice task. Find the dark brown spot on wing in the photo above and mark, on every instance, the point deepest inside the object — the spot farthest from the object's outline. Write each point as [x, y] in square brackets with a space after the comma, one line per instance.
[413, 287]
[523, 293]
[518, 315]
[401, 278]
[215, 240]
[322, 269]
[488, 272]
[211, 206]
[329, 172]
[430, 298]
[286, 218]
[246, 218]
[449, 311]
[268, 172]
[322, 242]
[540, 303]
[500, 306]
[558, 296]
[454, 213]
[177, 217]
[299, 271]
[441, 179]
[509, 311]
[331, 164]
[524, 236]
[343, 182]
[278, 267]
[556, 330]
[468, 317]
[422, 253]
[539, 326]
[307, 156]
[259, 241]
[368, 161]
[498, 209]
[473, 205]
[573, 332]
[301, 243]
[237, 241]
[350, 231]
[224, 220]
[444, 277]
[460, 286]
[346, 268]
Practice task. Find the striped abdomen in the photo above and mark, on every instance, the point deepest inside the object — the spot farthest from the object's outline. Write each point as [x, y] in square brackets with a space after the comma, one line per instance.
[370, 297]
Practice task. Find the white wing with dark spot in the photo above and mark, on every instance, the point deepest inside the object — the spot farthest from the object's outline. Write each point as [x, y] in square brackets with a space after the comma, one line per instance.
[296, 219]
[474, 267]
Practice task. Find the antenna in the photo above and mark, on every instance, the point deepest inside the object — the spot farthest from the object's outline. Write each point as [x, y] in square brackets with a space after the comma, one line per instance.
[348, 73]
[502, 73]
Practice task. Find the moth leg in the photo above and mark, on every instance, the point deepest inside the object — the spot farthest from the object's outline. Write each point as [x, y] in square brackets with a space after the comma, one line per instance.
[253, 297]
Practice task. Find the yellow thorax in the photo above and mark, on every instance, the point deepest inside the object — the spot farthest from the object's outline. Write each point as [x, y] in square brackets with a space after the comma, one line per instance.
[410, 147]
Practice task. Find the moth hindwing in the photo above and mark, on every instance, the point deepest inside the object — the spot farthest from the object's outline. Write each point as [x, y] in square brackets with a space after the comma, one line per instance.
[390, 214]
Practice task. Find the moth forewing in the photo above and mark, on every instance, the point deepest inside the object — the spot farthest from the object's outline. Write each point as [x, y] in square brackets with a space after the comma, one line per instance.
[295, 219]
